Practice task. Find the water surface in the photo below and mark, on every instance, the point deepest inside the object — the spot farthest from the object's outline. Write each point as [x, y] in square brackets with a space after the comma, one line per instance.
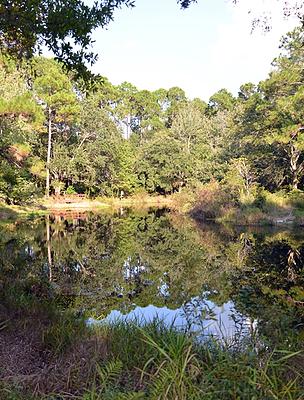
[208, 279]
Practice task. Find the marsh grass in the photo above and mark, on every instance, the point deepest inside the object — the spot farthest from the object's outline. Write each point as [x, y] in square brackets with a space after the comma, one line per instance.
[156, 362]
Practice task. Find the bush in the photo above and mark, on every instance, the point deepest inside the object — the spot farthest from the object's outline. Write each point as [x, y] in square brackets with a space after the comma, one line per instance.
[23, 191]
[213, 200]
[70, 190]
[260, 199]
[296, 199]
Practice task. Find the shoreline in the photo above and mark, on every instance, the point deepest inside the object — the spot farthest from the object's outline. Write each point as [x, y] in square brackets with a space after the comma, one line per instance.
[43, 206]
[9, 213]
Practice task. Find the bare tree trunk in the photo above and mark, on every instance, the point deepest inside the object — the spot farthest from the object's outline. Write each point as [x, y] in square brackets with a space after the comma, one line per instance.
[48, 160]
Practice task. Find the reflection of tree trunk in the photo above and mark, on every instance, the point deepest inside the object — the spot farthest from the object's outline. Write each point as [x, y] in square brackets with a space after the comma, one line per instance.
[48, 241]
[245, 248]
[48, 160]
[294, 157]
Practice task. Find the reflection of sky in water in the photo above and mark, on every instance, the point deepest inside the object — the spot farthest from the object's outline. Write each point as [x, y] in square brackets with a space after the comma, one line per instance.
[199, 315]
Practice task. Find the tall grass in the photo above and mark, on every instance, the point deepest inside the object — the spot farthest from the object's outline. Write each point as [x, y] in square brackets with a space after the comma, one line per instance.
[154, 361]
[158, 362]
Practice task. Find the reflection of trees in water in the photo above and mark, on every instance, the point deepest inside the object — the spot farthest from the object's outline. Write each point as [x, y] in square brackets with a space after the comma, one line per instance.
[270, 286]
[103, 262]
[107, 259]
[198, 312]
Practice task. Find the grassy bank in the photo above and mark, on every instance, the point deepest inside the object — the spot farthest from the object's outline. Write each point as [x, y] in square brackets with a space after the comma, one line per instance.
[62, 358]
[225, 204]
[61, 204]
[124, 361]
[211, 202]
[135, 201]
[10, 213]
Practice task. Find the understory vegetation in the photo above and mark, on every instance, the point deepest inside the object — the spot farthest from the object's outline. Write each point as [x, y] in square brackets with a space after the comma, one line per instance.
[62, 136]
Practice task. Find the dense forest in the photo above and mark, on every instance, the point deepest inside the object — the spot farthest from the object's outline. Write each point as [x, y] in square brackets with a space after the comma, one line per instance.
[61, 135]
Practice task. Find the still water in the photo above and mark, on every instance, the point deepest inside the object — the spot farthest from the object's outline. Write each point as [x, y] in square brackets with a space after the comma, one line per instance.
[130, 265]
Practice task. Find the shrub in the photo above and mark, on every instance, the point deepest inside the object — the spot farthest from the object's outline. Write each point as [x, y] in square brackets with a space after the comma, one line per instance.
[70, 190]
[213, 198]
[296, 199]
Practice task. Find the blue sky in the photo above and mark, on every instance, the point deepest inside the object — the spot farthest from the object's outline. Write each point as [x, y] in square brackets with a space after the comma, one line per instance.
[202, 49]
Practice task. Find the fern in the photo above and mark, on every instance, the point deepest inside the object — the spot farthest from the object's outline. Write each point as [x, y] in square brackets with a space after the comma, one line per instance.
[109, 373]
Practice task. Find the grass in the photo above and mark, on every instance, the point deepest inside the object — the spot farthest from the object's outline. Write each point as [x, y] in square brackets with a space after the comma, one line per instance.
[42, 206]
[139, 200]
[172, 365]
[155, 361]
[9, 213]
[131, 360]
[259, 207]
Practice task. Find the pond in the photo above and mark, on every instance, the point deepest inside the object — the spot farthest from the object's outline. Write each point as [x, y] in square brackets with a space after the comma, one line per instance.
[209, 279]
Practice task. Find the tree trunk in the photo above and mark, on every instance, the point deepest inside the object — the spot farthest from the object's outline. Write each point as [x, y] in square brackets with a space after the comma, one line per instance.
[48, 160]
[294, 167]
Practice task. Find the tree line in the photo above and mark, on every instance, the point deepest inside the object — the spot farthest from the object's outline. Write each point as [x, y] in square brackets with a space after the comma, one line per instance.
[61, 135]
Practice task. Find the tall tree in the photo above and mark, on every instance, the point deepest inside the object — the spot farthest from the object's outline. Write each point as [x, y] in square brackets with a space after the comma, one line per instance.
[54, 91]
[273, 115]
[187, 125]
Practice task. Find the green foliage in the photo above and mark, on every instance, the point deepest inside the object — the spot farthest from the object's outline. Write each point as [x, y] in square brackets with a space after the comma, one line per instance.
[25, 29]
[55, 89]
[221, 101]
[108, 140]
[70, 190]
[164, 167]
[176, 367]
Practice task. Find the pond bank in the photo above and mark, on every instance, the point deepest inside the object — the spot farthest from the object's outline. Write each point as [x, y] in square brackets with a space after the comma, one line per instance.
[218, 203]
[183, 203]
[53, 205]
[10, 213]
[66, 359]
[251, 217]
